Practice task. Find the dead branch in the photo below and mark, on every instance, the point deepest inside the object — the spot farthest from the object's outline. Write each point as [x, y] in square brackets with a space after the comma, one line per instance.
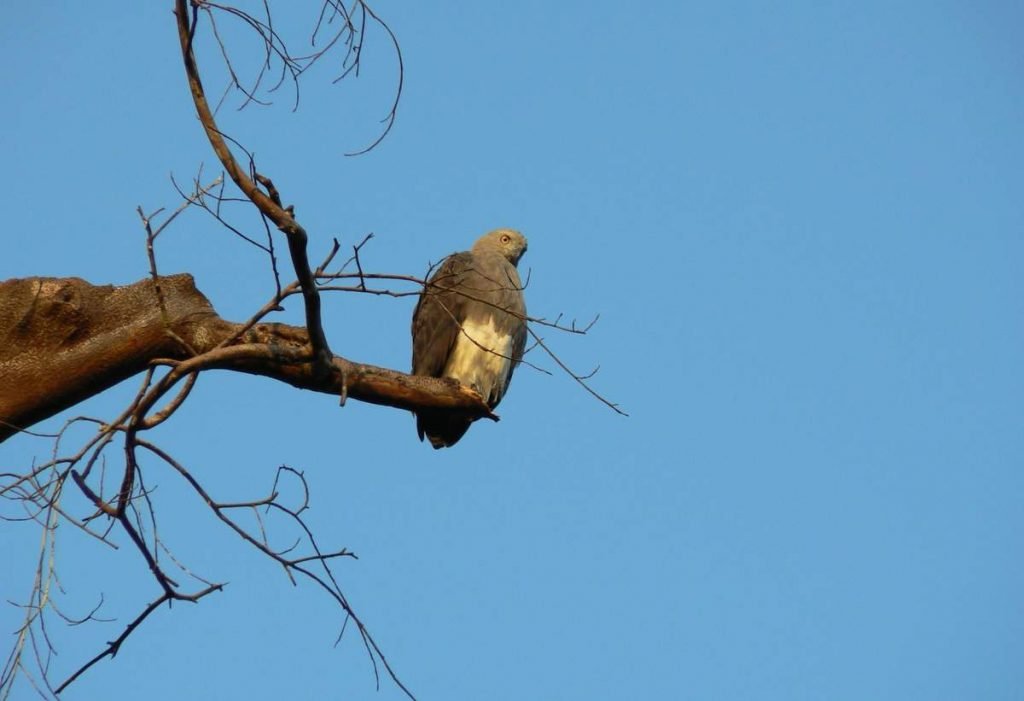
[70, 340]
[114, 645]
[268, 203]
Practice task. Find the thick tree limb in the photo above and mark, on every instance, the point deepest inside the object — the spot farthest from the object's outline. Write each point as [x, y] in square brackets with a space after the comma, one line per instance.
[63, 340]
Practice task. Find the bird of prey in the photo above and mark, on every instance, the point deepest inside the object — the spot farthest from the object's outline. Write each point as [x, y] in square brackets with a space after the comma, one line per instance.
[470, 325]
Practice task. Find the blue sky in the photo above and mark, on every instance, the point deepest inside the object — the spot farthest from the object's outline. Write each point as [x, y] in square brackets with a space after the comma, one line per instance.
[803, 228]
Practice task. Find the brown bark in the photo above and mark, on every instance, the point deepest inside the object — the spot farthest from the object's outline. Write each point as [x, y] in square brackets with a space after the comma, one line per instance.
[63, 340]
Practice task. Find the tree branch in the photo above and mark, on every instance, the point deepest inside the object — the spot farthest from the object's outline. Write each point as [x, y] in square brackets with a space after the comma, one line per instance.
[69, 340]
[268, 203]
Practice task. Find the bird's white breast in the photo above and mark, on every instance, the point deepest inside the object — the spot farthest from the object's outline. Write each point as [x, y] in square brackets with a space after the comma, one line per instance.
[481, 358]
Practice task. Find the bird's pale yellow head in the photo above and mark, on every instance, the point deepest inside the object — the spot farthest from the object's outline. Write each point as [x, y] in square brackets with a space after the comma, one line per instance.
[508, 242]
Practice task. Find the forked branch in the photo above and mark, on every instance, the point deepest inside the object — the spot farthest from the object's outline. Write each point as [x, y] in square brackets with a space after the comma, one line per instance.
[267, 202]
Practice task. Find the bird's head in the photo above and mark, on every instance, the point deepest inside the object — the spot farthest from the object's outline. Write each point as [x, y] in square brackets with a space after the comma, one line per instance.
[508, 242]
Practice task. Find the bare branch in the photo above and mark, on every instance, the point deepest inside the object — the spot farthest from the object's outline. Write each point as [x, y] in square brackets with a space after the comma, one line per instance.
[581, 380]
[122, 333]
[389, 119]
[115, 645]
[281, 217]
[328, 582]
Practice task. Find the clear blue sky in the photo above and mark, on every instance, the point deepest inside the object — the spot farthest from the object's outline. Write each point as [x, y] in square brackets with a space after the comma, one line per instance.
[803, 227]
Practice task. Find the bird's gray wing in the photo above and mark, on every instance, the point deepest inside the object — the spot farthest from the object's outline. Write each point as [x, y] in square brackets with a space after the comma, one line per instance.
[435, 322]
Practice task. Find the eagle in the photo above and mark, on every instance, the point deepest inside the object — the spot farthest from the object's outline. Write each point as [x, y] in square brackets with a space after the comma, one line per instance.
[470, 325]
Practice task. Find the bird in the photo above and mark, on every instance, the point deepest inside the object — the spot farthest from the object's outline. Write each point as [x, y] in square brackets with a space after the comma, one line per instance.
[470, 325]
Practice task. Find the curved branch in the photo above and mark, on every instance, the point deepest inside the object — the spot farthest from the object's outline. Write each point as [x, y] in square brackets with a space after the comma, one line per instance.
[389, 120]
[268, 203]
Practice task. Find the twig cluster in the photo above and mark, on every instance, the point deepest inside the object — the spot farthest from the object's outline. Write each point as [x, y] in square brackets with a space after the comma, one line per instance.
[340, 31]
[118, 502]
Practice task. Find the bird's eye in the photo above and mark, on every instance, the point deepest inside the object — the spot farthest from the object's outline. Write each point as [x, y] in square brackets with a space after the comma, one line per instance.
[506, 238]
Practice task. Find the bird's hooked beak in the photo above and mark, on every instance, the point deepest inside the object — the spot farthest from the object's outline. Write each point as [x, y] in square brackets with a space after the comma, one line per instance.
[522, 253]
